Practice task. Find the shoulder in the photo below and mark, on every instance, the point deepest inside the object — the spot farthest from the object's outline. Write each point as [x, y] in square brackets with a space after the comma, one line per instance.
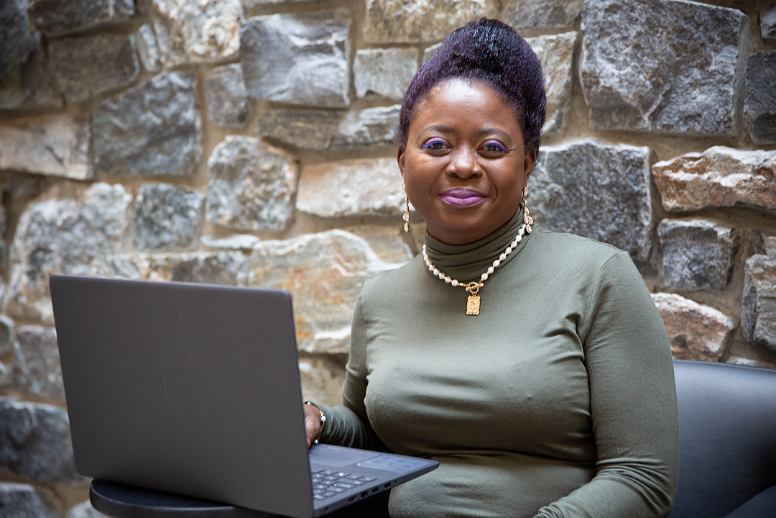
[394, 280]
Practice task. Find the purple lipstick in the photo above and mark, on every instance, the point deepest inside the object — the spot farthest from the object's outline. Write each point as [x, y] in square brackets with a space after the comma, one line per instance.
[462, 197]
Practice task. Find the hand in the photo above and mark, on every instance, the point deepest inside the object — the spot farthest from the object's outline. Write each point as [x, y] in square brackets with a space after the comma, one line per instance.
[312, 423]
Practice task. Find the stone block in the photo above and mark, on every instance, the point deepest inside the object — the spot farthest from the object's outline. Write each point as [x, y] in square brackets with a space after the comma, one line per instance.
[768, 23]
[35, 442]
[758, 305]
[167, 216]
[85, 510]
[193, 31]
[542, 14]
[595, 190]
[3, 248]
[25, 501]
[6, 375]
[53, 145]
[363, 187]
[328, 129]
[57, 17]
[662, 66]
[556, 53]
[251, 186]
[698, 254]
[234, 242]
[387, 242]
[152, 129]
[322, 380]
[227, 100]
[298, 58]
[29, 84]
[228, 268]
[147, 49]
[389, 21]
[7, 334]
[62, 236]
[718, 177]
[324, 273]
[696, 332]
[17, 40]
[384, 72]
[36, 363]
[760, 103]
[429, 52]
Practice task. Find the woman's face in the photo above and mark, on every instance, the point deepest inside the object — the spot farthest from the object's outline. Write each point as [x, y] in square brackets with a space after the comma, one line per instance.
[464, 166]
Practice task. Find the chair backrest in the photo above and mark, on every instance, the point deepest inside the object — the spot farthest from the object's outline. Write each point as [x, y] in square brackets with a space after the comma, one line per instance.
[727, 427]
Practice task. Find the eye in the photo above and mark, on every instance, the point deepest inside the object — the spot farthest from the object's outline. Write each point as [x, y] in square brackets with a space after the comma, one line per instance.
[434, 144]
[491, 147]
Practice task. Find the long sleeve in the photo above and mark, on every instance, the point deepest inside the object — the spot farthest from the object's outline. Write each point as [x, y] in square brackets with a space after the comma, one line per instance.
[633, 403]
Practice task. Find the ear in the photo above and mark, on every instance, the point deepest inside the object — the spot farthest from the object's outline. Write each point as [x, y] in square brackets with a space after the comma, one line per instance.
[400, 160]
[529, 163]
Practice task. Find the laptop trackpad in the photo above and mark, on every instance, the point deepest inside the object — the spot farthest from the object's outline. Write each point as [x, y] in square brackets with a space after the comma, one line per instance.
[338, 456]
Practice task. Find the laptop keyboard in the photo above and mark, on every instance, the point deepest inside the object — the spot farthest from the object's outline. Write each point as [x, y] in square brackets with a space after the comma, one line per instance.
[329, 483]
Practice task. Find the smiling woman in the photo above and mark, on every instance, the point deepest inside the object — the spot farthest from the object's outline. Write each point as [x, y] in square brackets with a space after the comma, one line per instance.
[553, 396]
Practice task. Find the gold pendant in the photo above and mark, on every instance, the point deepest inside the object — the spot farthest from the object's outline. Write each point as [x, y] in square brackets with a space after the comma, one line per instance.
[473, 305]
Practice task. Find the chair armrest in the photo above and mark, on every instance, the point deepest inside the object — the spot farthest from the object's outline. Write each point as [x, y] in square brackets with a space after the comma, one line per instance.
[762, 505]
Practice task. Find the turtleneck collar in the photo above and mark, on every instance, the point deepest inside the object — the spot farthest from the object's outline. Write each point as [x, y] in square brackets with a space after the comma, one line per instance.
[467, 262]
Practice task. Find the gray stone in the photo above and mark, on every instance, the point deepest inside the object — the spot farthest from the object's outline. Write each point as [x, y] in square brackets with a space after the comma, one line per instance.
[718, 177]
[167, 216]
[7, 334]
[62, 236]
[53, 145]
[389, 21]
[229, 268]
[88, 66]
[85, 510]
[663, 66]
[542, 14]
[17, 41]
[3, 250]
[28, 84]
[147, 49]
[251, 185]
[235, 242]
[297, 58]
[556, 53]
[768, 23]
[758, 306]
[324, 273]
[696, 332]
[152, 129]
[760, 104]
[193, 31]
[35, 442]
[25, 501]
[328, 129]
[697, 254]
[595, 190]
[6, 375]
[384, 72]
[227, 100]
[387, 242]
[23, 187]
[36, 363]
[322, 380]
[430, 51]
[363, 187]
[56, 17]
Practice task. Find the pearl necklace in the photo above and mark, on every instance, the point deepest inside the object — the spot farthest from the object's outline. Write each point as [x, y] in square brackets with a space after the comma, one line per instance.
[473, 302]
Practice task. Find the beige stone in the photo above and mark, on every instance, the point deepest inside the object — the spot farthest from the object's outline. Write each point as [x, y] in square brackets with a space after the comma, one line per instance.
[718, 177]
[384, 72]
[556, 53]
[321, 380]
[387, 242]
[695, 331]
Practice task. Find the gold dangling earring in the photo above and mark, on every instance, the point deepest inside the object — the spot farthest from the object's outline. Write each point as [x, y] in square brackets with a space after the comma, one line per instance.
[527, 219]
[406, 216]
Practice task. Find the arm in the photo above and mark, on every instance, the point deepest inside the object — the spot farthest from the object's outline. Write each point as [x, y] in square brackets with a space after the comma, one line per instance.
[632, 402]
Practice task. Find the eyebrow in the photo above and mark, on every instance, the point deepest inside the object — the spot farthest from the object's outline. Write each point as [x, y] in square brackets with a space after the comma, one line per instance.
[449, 129]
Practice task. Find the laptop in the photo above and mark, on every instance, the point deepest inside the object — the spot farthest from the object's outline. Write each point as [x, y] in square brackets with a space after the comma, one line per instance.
[194, 389]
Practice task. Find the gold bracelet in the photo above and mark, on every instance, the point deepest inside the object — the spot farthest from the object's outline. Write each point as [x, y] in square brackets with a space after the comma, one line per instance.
[322, 418]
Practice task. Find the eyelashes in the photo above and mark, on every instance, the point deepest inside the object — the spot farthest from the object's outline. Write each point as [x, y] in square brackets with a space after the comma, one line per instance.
[489, 147]
[434, 144]
[493, 147]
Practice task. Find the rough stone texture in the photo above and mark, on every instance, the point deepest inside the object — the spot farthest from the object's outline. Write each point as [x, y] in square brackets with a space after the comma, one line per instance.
[6, 375]
[85, 510]
[35, 442]
[679, 78]
[697, 254]
[758, 306]
[328, 129]
[151, 129]
[89, 66]
[54, 145]
[595, 190]
[193, 31]
[387, 242]
[235, 242]
[718, 177]
[17, 41]
[768, 23]
[297, 58]
[36, 362]
[251, 185]
[695, 331]
[29, 84]
[398, 21]
[147, 49]
[56, 17]
[361, 187]
[542, 14]
[229, 268]
[227, 100]
[62, 236]
[430, 51]
[25, 501]
[321, 380]
[324, 273]
[556, 53]
[167, 216]
[384, 72]
[3, 251]
[7, 334]
[760, 104]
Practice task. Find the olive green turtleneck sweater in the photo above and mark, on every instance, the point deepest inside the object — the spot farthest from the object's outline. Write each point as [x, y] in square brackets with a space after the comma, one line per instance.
[558, 400]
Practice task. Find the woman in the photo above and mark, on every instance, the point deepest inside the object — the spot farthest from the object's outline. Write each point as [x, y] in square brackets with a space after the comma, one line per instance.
[533, 365]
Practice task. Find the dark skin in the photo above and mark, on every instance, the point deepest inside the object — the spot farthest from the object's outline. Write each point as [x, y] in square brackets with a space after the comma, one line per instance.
[464, 167]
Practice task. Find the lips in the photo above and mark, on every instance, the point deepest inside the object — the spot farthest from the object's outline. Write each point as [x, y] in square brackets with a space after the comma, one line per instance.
[462, 197]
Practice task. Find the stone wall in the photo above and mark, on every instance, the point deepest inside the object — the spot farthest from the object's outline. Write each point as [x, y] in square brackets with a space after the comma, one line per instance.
[248, 143]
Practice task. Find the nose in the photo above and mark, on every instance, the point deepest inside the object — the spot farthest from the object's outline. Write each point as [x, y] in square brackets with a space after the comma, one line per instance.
[463, 163]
